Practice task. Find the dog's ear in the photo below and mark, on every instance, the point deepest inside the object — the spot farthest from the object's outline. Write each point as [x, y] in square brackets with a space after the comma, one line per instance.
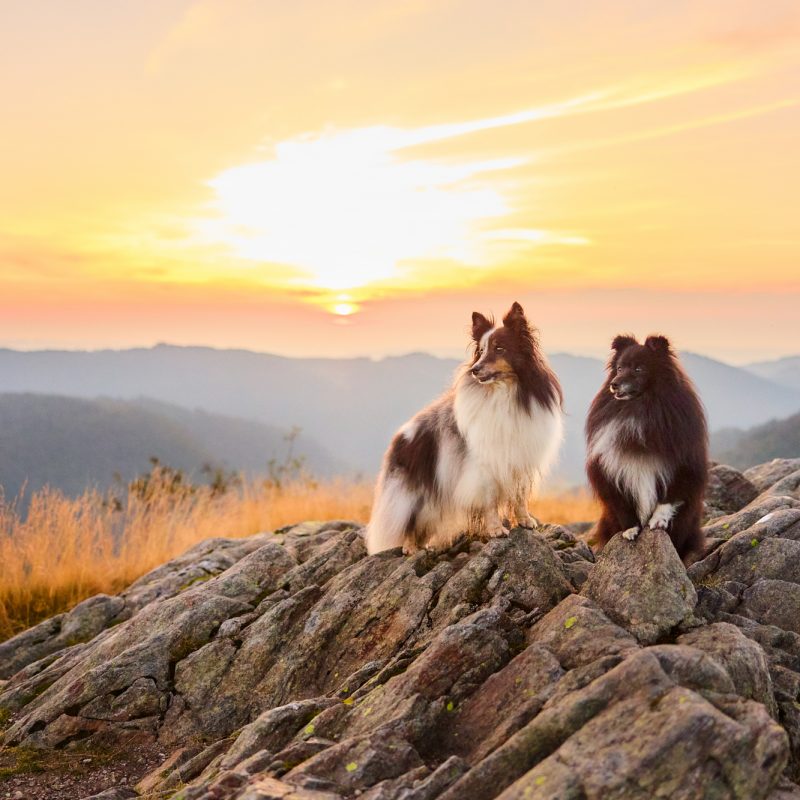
[623, 342]
[658, 344]
[480, 325]
[515, 317]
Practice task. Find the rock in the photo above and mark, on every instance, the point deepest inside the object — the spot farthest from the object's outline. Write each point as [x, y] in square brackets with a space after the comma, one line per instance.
[728, 490]
[418, 784]
[458, 661]
[692, 668]
[150, 644]
[149, 782]
[273, 729]
[674, 744]
[760, 511]
[598, 726]
[293, 666]
[642, 585]
[527, 571]
[786, 790]
[505, 702]
[765, 475]
[743, 660]
[116, 793]
[773, 602]
[357, 763]
[81, 624]
[197, 565]
[788, 486]
[748, 556]
[577, 632]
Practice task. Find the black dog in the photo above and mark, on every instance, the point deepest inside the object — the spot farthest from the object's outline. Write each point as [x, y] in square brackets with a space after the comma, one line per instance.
[647, 445]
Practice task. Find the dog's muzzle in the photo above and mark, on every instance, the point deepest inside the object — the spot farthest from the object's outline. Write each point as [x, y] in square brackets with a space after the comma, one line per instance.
[481, 376]
[622, 391]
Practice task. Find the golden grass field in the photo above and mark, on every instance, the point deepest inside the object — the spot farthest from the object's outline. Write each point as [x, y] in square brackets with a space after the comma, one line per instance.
[64, 550]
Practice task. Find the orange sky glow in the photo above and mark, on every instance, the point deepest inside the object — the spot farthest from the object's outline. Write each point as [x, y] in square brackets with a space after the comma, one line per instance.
[354, 178]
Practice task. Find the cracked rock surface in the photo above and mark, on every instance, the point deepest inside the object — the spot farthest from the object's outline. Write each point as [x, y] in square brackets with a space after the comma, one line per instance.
[293, 666]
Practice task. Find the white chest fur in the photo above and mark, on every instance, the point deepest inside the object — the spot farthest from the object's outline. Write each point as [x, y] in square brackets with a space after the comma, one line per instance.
[508, 442]
[636, 475]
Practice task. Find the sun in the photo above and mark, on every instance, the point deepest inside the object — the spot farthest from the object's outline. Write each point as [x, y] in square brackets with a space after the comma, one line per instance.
[344, 309]
[346, 209]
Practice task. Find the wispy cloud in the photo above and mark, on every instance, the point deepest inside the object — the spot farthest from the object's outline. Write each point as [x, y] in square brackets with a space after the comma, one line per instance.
[671, 130]
[348, 208]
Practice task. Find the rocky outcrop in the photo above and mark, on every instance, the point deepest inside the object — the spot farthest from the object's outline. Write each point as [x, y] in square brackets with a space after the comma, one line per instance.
[292, 665]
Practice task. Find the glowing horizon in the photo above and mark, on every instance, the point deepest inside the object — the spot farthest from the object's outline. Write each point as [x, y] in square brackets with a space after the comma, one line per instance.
[315, 207]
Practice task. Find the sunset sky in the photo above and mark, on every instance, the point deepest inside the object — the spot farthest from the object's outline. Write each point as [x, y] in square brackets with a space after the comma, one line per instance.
[354, 177]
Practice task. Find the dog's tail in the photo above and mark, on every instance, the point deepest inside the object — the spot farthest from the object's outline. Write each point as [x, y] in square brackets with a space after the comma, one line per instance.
[392, 514]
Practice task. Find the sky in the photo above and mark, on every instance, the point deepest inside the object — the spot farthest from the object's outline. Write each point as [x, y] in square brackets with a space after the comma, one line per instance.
[355, 177]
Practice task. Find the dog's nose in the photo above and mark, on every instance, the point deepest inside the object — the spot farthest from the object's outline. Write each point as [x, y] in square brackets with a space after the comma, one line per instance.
[475, 370]
[614, 386]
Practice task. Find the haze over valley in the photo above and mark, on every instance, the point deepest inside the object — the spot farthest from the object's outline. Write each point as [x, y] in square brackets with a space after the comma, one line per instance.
[75, 418]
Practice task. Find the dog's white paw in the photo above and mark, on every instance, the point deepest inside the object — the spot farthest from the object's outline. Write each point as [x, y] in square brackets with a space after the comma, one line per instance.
[496, 531]
[527, 521]
[631, 533]
[662, 516]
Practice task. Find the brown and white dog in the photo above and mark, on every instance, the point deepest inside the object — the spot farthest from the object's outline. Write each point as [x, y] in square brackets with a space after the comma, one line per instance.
[647, 446]
[480, 449]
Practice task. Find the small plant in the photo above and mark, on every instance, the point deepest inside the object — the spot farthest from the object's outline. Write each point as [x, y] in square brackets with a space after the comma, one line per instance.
[161, 480]
[291, 469]
[219, 480]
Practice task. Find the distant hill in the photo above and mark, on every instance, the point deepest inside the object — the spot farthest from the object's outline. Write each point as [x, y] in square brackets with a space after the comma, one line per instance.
[351, 407]
[784, 371]
[72, 443]
[775, 439]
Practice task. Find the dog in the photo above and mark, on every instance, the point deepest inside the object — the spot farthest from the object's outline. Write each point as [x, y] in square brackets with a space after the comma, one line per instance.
[647, 446]
[482, 446]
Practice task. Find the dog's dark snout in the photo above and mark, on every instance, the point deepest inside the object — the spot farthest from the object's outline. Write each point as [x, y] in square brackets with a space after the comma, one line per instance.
[475, 370]
[614, 386]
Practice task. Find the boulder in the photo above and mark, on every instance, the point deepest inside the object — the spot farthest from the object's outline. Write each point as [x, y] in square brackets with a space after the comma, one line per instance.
[743, 659]
[773, 602]
[642, 585]
[597, 728]
[728, 490]
[81, 624]
[765, 475]
[292, 665]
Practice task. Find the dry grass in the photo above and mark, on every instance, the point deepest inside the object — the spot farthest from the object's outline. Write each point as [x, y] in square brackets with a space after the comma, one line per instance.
[65, 550]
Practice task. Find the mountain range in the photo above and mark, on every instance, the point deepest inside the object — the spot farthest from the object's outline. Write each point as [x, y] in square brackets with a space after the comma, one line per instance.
[783, 371]
[347, 409]
[73, 443]
[778, 438]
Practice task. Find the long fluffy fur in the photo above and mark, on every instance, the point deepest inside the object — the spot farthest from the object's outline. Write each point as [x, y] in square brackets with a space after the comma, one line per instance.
[477, 450]
[647, 457]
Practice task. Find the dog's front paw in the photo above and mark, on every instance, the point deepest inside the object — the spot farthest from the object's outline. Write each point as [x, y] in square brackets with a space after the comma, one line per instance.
[496, 531]
[662, 517]
[527, 521]
[631, 533]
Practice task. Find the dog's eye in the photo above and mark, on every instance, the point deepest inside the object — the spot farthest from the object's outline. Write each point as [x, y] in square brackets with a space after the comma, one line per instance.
[499, 349]
[639, 369]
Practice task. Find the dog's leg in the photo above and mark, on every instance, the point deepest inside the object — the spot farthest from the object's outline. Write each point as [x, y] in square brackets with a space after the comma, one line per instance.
[523, 517]
[409, 546]
[494, 525]
[663, 515]
[631, 533]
